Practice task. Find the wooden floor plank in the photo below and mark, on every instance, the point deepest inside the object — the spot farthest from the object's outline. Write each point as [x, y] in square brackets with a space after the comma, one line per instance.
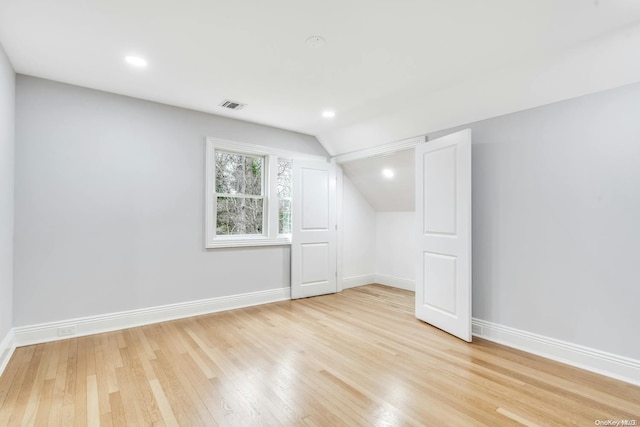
[46, 400]
[29, 383]
[163, 404]
[118, 414]
[93, 403]
[355, 358]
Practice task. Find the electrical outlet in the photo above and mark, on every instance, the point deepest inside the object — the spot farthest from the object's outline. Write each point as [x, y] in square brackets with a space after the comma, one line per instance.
[66, 331]
[476, 329]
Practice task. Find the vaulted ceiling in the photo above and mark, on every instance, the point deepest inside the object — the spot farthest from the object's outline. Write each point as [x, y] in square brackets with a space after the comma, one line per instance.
[389, 69]
[394, 191]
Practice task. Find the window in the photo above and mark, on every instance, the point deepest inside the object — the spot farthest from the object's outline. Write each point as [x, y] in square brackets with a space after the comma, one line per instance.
[284, 196]
[239, 194]
[249, 195]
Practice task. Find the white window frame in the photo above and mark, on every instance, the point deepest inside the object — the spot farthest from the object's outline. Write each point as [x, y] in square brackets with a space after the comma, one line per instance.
[270, 236]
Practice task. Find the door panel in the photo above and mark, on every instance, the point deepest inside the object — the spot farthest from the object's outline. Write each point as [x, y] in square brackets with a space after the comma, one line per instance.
[440, 191]
[314, 259]
[313, 247]
[440, 273]
[443, 212]
[315, 199]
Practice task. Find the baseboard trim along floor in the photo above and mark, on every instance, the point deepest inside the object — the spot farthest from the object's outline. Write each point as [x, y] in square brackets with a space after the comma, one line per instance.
[53, 331]
[608, 364]
[601, 362]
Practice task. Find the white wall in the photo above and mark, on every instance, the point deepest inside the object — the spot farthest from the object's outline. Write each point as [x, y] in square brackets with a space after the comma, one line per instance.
[358, 249]
[7, 146]
[556, 220]
[396, 249]
[109, 205]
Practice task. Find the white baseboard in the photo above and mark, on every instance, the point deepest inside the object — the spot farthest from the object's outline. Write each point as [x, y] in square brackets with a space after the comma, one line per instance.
[601, 362]
[352, 282]
[396, 282]
[46, 332]
[619, 367]
[7, 347]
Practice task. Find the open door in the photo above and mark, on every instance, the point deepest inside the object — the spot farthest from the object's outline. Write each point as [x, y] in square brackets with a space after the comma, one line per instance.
[313, 246]
[443, 216]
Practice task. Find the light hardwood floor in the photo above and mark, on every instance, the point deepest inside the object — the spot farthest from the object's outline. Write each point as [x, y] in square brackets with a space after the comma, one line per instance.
[355, 358]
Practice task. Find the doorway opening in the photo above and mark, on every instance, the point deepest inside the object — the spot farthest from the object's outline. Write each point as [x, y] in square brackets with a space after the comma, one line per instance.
[406, 222]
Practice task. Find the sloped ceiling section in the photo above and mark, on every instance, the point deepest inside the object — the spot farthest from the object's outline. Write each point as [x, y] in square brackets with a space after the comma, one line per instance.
[395, 194]
[597, 65]
[389, 69]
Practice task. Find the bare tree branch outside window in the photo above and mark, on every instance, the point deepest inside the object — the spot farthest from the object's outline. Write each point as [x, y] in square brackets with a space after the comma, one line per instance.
[284, 196]
[239, 192]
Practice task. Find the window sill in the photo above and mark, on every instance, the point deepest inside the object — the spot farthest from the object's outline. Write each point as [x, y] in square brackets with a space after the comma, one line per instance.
[247, 242]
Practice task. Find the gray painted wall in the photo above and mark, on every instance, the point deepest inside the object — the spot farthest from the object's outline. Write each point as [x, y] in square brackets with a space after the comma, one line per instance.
[109, 208]
[556, 220]
[110, 205]
[7, 143]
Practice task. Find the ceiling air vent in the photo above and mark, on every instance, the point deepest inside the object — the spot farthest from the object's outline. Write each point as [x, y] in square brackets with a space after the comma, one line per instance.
[233, 105]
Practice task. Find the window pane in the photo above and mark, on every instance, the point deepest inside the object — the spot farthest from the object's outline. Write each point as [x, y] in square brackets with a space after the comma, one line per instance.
[238, 174]
[284, 179]
[285, 217]
[284, 196]
[239, 215]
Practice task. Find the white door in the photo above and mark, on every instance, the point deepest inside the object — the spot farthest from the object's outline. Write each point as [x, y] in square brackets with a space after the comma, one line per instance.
[443, 214]
[313, 246]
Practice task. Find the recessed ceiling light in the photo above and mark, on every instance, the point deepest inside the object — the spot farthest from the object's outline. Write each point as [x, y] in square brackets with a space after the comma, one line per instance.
[315, 41]
[136, 61]
[387, 173]
[328, 114]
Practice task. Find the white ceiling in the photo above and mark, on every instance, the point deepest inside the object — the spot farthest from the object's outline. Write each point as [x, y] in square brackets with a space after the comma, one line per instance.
[396, 194]
[390, 69]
